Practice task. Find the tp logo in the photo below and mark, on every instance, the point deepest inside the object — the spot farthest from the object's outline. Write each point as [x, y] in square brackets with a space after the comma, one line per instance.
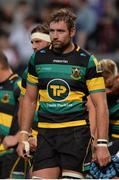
[58, 89]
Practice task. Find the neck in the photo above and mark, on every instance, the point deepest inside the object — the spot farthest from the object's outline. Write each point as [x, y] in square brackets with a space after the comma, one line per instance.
[65, 49]
[4, 74]
[69, 49]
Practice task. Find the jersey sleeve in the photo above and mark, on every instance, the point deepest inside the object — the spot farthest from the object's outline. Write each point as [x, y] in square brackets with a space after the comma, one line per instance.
[24, 82]
[94, 78]
[32, 75]
[17, 89]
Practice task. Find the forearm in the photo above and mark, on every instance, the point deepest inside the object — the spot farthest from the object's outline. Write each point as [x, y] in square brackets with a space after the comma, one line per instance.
[28, 110]
[102, 122]
[20, 109]
[92, 117]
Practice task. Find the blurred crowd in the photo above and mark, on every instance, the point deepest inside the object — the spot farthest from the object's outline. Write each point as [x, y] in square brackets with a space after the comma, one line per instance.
[97, 26]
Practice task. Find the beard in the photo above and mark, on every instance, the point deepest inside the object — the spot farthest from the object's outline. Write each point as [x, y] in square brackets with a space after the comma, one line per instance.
[59, 47]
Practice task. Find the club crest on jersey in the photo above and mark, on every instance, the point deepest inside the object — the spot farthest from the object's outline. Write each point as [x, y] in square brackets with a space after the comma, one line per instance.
[98, 67]
[75, 73]
[5, 98]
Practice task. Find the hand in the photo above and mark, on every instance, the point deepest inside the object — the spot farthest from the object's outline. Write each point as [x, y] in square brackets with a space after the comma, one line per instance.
[106, 172]
[10, 141]
[102, 155]
[33, 143]
[21, 150]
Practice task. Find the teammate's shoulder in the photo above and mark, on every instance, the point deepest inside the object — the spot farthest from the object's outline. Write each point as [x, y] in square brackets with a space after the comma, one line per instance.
[43, 51]
[14, 77]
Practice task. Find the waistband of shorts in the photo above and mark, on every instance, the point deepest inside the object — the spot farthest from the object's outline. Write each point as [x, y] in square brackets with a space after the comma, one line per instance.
[63, 124]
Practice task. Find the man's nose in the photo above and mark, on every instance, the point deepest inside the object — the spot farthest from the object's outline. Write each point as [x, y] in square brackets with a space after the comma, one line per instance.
[55, 35]
[34, 47]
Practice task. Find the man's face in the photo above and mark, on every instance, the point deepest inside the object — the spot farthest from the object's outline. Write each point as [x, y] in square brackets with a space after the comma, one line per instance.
[60, 35]
[38, 44]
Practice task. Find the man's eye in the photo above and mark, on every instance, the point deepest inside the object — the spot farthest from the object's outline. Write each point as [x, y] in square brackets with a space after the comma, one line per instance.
[37, 41]
[60, 30]
[51, 30]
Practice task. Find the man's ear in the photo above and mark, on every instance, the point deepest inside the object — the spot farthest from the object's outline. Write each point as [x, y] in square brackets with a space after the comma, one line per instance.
[72, 32]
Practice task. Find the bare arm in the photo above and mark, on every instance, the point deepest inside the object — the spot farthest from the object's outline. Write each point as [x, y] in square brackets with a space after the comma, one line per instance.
[102, 122]
[28, 110]
[92, 117]
[102, 117]
[20, 108]
[28, 107]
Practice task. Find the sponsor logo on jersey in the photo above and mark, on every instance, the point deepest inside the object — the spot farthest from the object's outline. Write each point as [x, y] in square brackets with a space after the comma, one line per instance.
[60, 61]
[58, 89]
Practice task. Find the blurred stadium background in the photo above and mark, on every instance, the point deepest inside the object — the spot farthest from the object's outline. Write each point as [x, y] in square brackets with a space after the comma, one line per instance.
[97, 26]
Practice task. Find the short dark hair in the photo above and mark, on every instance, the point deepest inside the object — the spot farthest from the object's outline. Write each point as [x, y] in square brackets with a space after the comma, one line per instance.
[43, 28]
[4, 61]
[65, 15]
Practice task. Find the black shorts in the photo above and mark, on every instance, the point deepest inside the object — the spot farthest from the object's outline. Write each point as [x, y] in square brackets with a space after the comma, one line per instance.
[67, 148]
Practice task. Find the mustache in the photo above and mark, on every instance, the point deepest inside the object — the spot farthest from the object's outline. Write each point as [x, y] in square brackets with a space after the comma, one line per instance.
[56, 41]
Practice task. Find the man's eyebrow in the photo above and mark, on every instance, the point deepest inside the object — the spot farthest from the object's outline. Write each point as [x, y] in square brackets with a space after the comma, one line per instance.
[51, 29]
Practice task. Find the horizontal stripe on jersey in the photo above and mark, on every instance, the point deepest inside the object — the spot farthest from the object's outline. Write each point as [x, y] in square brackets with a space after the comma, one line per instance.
[62, 125]
[61, 108]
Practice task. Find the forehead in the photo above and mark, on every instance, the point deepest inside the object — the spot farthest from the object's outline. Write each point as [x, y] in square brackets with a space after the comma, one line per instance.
[58, 25]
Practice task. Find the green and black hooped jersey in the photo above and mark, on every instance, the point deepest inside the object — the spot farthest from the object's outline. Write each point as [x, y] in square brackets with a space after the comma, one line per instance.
[23, 90]
[113, 106]
[9, 94]
[65, 81]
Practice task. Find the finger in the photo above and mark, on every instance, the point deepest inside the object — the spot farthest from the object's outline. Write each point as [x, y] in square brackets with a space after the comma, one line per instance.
[20, 152]
[104, 161]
